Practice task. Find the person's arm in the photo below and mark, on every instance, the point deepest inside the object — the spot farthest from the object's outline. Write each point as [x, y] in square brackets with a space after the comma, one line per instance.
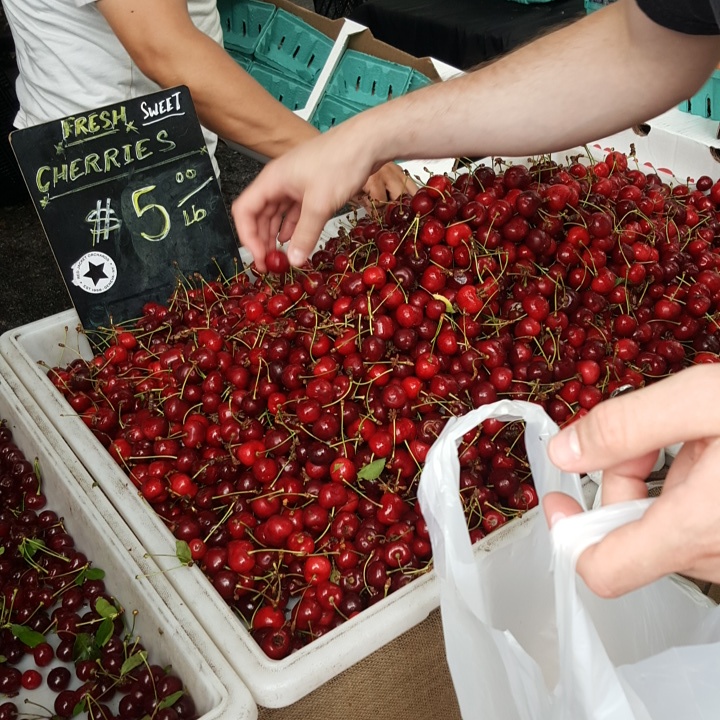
[164, 43]
[680, 532]
[598, 75]
[601, 74]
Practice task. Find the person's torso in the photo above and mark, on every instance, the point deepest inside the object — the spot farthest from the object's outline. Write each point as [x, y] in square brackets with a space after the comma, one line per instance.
[70, 60]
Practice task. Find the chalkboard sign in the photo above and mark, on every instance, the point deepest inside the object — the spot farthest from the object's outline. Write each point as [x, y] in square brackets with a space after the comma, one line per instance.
[129, 201]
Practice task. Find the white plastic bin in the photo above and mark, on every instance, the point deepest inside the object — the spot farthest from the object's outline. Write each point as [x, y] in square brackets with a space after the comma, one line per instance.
[389, 659]
[55, 341]
[162, 621]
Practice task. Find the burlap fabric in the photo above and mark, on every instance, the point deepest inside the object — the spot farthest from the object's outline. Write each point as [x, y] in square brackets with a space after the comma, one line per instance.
[407, 679]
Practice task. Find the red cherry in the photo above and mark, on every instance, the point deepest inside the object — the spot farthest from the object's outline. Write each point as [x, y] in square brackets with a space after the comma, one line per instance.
[268, 616]
[316, 569]
[492, 519]
[31, 679]
[277, 262]
[438, 186]
[277, 643]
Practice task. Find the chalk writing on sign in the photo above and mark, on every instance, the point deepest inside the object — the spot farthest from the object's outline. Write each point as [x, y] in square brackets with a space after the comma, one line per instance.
[102, 220]
[133, 182]
[166, 107]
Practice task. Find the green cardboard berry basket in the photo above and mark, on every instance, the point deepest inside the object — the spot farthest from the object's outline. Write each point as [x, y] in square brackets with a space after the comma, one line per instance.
[367, 81]
[706, 101]
[417, 80]
[244, 61]
[291, 92]
[331, 111]
[293, 46]
[591, 6]
[243, 22]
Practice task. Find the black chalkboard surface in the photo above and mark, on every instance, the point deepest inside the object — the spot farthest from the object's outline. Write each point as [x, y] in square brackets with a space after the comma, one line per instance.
[129, 201]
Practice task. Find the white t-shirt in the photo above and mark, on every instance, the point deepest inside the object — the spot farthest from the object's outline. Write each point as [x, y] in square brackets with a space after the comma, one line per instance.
[70, 60]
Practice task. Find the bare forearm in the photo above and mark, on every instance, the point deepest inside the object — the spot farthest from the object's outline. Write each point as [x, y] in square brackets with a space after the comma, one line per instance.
[230, 102]
[599, 75]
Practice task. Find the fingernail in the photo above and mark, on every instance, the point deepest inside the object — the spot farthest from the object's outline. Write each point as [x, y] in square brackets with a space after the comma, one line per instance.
[296, 256]
[566, 446]
[556, 516]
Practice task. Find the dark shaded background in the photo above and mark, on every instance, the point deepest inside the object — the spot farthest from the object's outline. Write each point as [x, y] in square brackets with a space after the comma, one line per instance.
[462, 33]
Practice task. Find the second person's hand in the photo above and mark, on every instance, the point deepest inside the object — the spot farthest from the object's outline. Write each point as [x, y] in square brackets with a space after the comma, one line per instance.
[680, 532]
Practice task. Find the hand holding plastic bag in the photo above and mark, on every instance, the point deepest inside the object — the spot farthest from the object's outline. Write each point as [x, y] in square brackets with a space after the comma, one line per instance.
[524, 643]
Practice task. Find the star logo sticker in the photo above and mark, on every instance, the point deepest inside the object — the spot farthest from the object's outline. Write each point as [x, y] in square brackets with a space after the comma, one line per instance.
[96, 272]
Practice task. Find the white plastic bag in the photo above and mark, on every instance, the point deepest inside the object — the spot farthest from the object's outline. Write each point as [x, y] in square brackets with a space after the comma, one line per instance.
[526, 640]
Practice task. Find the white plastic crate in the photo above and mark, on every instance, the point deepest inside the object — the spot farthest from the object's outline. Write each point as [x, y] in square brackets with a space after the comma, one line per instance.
[170, 633]
[273, 684]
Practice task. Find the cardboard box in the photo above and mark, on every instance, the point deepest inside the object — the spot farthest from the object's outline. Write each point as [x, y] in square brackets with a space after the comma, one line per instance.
[360, 38]
[355, 36]
[333, 29]
[325, 25]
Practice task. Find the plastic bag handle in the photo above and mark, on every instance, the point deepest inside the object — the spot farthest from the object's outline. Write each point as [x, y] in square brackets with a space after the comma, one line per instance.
[438, 491]
[516, 690]
[588, 678]
[586, 671]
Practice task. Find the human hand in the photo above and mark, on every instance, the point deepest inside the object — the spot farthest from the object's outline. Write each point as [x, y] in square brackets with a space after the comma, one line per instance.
[296, 194]
[389, 183]
[680, 532]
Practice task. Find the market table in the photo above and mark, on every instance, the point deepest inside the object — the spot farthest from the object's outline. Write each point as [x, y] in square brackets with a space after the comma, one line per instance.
[462, 33]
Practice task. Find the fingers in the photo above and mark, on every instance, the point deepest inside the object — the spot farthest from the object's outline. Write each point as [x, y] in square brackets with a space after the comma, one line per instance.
[390, 181]
[257, 220]
[626, 481]
[307, 229]
[681, 407]
[409, 187]
[557, 506]
[617, 564]
[623, 560]
[684, 462]
[680, 532]
[375, 189]
[276, 221]
[287, 228]
[627, 558]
